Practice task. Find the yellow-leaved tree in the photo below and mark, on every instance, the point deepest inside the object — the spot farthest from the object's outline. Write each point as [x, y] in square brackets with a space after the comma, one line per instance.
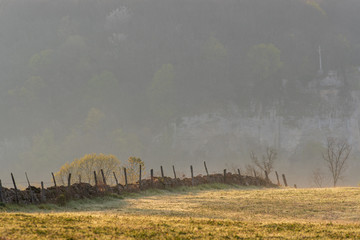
[133, 169]
[62, 174]
[84, 168]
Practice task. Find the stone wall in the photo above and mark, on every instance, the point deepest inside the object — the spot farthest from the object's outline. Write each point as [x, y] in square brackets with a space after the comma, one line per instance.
[84, 190]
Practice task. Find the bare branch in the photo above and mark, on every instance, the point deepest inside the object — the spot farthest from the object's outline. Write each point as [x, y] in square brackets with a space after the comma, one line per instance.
[336, 156]
[267, 163]
[318, 178]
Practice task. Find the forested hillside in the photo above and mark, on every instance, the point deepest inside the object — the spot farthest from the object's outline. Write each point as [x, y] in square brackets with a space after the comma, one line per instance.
[82, 76]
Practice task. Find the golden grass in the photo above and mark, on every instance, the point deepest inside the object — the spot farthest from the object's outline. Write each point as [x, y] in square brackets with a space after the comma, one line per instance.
[229, 213]
[336, 204]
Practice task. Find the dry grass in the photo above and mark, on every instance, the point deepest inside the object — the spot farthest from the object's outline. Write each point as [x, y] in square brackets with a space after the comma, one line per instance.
[226, 213]
[337, 204]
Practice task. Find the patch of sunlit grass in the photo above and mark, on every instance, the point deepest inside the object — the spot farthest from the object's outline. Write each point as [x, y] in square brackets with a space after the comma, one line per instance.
[119, 226]
[336, 204]
[206, 212]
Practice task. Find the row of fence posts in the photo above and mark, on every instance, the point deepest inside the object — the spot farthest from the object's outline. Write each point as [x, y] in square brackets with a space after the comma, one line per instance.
[207, 173]
[32, 195]
[43, 198]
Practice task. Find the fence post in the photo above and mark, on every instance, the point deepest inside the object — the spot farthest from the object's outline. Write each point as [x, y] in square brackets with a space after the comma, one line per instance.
[16, 193]
[27, 179]
[103, 176]
[95, 178]
[69, 180]
[277, 177]
[1, 193]
[31, 192]
[207, 173]
[116, 181]
[162, 171]
[53, 178]
[224, 175]
[192, 175]
[174, 172]
[284, 179]
[140, 176]
[125, 176]
[239, 172]
[43, 198]
[152, 177]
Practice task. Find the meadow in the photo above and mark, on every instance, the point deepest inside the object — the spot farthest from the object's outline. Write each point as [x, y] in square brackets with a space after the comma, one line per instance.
[214, 211]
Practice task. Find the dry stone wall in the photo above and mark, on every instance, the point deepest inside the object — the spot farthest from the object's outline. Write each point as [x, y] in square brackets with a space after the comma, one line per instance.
[61, 194]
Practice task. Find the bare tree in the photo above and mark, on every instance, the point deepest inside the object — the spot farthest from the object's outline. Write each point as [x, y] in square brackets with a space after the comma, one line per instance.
[336, 155]
[318, 178]
[267, 163]
[250, 170]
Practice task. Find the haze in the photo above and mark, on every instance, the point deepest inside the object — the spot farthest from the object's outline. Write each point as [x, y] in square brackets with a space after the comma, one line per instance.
[178, 82]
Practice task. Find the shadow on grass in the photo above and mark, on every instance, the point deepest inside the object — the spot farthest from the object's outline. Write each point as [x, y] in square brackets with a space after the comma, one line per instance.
[116, 201]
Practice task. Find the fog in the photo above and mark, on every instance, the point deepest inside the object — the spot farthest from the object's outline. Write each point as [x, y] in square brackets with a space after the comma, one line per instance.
[178, 82]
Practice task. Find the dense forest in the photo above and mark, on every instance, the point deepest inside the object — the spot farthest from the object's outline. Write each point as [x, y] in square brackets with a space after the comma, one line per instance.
[82, 76]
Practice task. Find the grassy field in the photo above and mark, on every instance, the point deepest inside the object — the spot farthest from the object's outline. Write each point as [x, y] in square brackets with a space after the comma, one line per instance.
[203, 212]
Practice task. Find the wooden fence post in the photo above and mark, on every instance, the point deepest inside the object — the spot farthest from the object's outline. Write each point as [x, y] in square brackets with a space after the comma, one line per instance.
[224, 175]
[192, 175]
[174, 172]
[16, 193]
[162, 171]
[152, 177]
[103, 176]
[277, 177]
[239, 172]
[116, 181]
[27, 179]
[140, 176]
[284, 179]
[95, 178]
[69, 180]
[53, 178]
[125, 176]
[1, 193]
[207, 173]
[43, 198]
[31, 192]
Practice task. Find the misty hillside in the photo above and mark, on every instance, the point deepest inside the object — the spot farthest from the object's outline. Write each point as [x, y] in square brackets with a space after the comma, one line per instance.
[177, 82]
